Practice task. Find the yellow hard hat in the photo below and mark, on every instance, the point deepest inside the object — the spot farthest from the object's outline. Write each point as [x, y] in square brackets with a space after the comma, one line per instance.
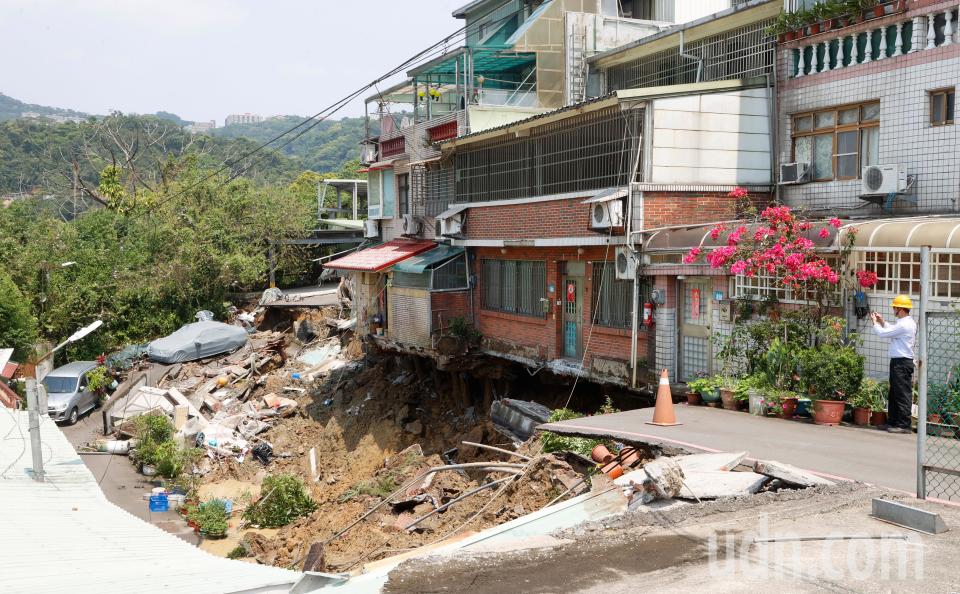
[902, 301]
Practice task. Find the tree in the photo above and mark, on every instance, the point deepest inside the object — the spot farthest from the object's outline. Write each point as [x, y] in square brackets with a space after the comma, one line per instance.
[18, 328]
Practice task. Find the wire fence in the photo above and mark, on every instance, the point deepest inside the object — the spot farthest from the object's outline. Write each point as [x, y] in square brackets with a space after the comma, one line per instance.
[941, 444]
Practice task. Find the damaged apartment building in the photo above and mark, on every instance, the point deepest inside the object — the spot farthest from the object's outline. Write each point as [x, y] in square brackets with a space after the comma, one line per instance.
[515, 181]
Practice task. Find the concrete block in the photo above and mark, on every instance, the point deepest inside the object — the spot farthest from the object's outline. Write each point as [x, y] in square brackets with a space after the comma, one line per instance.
[707, 462]
[714, 484]
[789, 474]
[666, 477]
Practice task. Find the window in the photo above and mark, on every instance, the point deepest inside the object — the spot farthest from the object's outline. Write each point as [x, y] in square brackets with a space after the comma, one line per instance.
[897, 272]
[838, 142]
[515, 286]
[612, 298]
[766, 286]
[403, 194]
[942, 106]
[452, 274]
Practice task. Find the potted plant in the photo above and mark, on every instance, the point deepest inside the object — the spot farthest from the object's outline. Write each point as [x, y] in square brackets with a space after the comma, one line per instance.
[861, 402]
[788, 404]
[728, 386]
[831, 372]
[697, 388]
[872, 6]
[821, 14]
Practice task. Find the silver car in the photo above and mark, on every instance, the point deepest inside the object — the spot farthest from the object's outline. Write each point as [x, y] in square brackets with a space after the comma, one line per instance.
[67, 394]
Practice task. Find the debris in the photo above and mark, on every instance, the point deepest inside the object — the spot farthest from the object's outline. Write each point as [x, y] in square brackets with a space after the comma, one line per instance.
[714, 484]
[908, 517]
[262, 453]
[319, 355]
[710, 462]
[789, 474]
[314, 560]
[516, 419]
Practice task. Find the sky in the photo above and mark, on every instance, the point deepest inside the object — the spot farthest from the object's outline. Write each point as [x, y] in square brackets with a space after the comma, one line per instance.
[204, 59]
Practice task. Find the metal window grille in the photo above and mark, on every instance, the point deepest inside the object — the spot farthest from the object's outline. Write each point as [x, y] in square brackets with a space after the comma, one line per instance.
[585, 152]
[945, 275]
[897, 272]
[412, 280]
[438, 190]
[739, 53]
[612, 298]
[766, 286]
[514, 286]
[451, 274]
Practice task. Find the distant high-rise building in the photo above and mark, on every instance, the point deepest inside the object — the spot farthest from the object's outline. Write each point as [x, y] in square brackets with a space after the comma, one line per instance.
[243, 118]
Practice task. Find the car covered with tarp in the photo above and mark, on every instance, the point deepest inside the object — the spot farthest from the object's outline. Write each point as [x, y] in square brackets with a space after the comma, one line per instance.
[197, 341]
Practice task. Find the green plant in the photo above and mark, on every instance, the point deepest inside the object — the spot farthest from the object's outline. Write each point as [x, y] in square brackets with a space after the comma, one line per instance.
[561, 443]
[779, 364]
[238, 552]
[153, 427]
[702, 385]
[381, 486]
[780, 25]
[211, 517]
[831, 372]
[285, 499]
[461, 328]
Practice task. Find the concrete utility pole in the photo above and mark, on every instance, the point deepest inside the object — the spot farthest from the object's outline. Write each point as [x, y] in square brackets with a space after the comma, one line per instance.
[34, 403]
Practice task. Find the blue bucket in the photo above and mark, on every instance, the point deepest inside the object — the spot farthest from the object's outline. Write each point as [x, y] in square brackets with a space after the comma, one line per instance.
[159, 503]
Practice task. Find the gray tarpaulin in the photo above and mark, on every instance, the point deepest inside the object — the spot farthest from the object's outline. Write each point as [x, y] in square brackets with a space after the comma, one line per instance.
[196, 341]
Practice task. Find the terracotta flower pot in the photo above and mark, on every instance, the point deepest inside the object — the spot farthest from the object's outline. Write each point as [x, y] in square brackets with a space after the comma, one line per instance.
[694, 399]
[861, 416]
[878, 417]
[879, 11]
[934, 418]
[615, 472]
[729, 401]
[828, 412]
[790, 35]
[600, 454]
[789, 406]
[629, 456]
[815, 29]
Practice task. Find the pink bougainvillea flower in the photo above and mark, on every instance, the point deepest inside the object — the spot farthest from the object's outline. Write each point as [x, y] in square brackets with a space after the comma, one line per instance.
[824, 233]
[835, 223]
[738, 192]
[866, 278]
[691, 256]
[738, 267]
[716, 231]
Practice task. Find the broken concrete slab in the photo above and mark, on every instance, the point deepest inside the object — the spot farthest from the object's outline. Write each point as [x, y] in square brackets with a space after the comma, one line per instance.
[714, 484]
[666, 475]
[789, 474]
[710, 462]
[516, 419]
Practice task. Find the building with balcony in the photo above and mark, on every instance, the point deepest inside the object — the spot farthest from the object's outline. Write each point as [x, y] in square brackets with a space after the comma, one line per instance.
[242, 118]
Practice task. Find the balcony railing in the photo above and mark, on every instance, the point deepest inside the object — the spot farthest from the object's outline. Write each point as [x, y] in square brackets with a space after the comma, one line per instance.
[845, 49]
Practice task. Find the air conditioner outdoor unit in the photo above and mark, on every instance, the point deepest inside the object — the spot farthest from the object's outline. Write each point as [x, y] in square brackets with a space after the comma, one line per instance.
[794, 173]
[370, 229]
[883, 179]
[450, 225]
[626, 264]
[410, 225]
[368, 153]
[604, 215]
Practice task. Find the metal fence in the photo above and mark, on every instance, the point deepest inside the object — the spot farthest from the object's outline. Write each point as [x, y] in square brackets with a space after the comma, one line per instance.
[739, 53]
[941, 392]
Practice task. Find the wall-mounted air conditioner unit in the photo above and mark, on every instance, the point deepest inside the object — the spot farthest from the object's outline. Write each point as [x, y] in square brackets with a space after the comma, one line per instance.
[371, 229]
[626, 263]
[883, 179]
[368, 153]
[450, 226]
[794, 173]
[604, 215]
[410, 225]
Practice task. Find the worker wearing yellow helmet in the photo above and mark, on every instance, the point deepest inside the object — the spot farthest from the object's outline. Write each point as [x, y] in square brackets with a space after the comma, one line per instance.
[902, 334]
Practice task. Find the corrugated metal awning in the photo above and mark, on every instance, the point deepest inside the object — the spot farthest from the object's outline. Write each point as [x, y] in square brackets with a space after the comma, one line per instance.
[914, 232]
[418, 264]
[453, 210]
[381, 257]
[607, 195]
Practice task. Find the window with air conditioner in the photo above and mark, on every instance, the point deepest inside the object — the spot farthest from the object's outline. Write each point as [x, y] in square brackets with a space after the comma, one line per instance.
[838, 142]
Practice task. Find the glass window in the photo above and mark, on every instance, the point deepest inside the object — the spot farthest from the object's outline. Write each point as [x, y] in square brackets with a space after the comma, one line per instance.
[849, 116]
[403, 194]
[60, 385]
[870, 112]
[826, 119]
[823, 156]
[942, 105]
[870, 146]
[514, 286]
[803, 123]
[847, 154]
[801, 149]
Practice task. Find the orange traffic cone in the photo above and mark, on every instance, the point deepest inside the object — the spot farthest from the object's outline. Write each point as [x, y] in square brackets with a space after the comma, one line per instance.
[663, 411]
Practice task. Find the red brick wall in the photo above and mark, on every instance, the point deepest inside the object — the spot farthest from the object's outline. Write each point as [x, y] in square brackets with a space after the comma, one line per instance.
[663, 209]
[448, 305]
[553, 218]
[544, 335]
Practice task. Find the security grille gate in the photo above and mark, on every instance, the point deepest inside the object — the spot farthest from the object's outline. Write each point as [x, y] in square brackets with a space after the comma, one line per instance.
[941, 444]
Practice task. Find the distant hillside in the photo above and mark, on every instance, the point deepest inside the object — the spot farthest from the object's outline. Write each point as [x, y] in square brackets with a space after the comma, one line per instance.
[326, 147]
[11, 109]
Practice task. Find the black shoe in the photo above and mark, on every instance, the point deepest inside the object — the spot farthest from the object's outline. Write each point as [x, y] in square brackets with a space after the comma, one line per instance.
[898, 430]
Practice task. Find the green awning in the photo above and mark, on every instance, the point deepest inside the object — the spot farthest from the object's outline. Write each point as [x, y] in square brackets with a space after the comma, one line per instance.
[487, 62]
[419, 264]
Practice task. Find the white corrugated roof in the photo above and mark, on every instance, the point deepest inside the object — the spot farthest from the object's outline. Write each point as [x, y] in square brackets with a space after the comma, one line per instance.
[63, 535]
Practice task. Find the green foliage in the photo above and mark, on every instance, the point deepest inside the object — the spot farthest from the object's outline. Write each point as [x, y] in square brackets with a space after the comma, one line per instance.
[211, 517]
[702, 385]
[98, 379]
[872, 394]
[238, 552]
[380, 486]
[11, 109]
[461, 328]
[285, 499]
[155, 428]
[18, 329]
[752, 382]
[157, 448]
[831, 372]
[581, 445]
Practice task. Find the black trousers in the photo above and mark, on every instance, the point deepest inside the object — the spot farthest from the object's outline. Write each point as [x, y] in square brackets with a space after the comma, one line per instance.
[900, 397]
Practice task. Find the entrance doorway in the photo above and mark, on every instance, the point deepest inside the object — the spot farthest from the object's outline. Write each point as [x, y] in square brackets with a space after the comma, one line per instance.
[572, 299]
[695, 352]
